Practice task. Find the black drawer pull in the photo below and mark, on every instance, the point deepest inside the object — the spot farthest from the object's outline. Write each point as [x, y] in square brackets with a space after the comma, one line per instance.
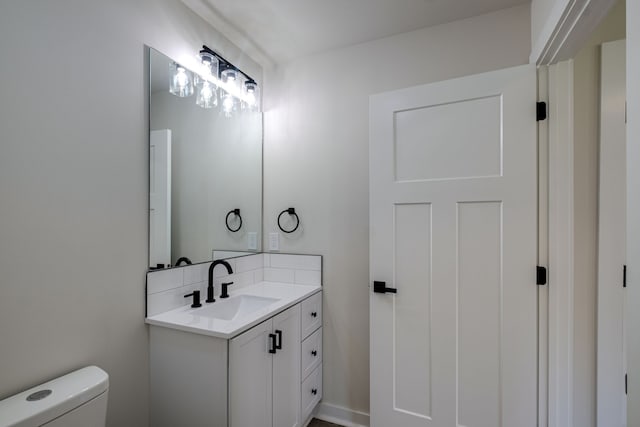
[272, 337]
[279, 341]
[314, 391]
[314, 314]
[314, 353]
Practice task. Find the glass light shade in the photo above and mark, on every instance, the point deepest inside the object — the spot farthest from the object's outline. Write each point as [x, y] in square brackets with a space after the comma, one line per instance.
[207, 95]
[181, 83]
[228, 105]
[231, 77]
[210, 63]
[251, 93]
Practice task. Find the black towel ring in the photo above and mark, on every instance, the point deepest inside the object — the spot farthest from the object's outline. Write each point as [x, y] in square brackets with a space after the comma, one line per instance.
[236, 212]
[292, 212]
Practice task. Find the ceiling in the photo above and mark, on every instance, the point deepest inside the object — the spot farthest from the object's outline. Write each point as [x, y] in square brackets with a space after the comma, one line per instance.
[282, 30]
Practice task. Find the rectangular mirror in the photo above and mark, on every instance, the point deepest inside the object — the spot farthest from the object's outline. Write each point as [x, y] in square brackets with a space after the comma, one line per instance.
[205, 167]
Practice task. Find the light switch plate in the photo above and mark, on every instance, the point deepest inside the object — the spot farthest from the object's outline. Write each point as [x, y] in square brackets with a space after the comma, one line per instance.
[252, 240]
[274, 241]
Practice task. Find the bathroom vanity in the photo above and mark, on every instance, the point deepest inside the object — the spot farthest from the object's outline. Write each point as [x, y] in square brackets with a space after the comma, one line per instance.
[251, 360]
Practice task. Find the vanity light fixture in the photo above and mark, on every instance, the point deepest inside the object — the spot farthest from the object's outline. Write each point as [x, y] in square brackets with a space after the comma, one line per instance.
[232, 81]
[181, 83]
[216, 74]
[252, 94]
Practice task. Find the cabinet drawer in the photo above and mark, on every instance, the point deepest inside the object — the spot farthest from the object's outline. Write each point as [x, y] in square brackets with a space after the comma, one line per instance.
[311, 353]
[311, 392]
[311, 314]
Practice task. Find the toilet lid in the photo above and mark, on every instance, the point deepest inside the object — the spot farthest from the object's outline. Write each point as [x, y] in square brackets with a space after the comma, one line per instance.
[54, 398]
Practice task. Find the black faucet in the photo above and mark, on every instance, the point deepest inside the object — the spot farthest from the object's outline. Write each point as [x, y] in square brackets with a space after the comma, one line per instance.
[224, 291]
[184, 259]
[210, 287]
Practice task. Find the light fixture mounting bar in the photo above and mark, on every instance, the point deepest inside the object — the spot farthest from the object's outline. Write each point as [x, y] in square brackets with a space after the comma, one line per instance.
[222, 59]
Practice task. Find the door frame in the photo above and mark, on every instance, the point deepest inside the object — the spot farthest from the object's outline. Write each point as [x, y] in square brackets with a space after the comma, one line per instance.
[556, 245]
[568, 26]
[611, 231]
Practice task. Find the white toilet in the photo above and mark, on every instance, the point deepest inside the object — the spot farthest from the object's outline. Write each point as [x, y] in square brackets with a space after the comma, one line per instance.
[78, 399]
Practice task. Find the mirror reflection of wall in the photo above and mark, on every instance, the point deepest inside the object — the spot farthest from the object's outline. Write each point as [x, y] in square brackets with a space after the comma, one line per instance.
[215, 164]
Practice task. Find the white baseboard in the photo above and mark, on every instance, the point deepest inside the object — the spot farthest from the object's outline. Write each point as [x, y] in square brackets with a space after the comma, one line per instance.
[342, 416]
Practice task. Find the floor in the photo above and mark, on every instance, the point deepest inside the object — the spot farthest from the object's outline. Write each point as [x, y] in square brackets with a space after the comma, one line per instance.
[318, 423]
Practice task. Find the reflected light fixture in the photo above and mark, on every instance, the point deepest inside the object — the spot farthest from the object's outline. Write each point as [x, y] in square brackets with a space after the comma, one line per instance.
[181, 83]
[228, 105]
[207, 94]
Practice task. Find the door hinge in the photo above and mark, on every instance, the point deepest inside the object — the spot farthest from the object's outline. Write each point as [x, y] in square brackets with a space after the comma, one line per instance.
[541, 275]
[624, 276]
[541, 111]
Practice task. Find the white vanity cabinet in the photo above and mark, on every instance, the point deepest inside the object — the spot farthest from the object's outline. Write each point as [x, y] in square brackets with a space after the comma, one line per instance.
[267, 376]
[264, 386]
[311, 355]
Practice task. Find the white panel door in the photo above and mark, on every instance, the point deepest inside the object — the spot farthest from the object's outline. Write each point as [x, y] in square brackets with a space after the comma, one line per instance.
[453, 230]
[612, 409]
[160, 197]
[286, 372]
[250, 378]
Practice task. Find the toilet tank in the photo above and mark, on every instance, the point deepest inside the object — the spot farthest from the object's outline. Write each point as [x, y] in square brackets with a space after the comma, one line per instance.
[78, 399]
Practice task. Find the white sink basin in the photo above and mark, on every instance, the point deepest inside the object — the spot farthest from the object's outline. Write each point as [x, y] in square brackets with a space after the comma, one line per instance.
[229, 317]
[234, 307]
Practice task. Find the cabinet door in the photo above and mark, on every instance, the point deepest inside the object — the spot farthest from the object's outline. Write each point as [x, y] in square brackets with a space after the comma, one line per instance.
[250, 378]
[286, 369]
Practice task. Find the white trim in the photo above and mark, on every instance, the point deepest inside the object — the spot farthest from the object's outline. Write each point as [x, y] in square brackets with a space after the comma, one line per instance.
[633, 212]
[569, 25]
[543, 252]
[342, 416]
[611, 400]
[561, 250]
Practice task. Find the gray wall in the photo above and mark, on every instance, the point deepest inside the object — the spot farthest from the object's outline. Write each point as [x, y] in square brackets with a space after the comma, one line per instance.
[73, 186]
[316, 159]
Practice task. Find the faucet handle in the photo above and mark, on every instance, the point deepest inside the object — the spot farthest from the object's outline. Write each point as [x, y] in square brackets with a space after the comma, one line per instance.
[196, 299]
[223, 292]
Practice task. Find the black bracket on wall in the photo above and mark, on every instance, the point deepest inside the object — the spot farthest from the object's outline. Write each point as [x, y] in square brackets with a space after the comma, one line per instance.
[541, 275]
[235, 212]
[291, 212]
[541, 111]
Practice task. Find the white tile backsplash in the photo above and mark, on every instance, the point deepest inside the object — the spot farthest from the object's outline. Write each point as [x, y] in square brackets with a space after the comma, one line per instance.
[163, 280]
[248, 263]
[196, 273]
[258, 275]
[307, 277]
[279, 275]
[168, 300]
[166, 288]
[296, 262]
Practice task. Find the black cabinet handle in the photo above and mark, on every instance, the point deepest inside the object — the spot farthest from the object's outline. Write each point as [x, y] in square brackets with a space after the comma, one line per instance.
[314, 314]
[314, 391]
[381, 288]
[272, 337]
[279, 341]
[314, 353]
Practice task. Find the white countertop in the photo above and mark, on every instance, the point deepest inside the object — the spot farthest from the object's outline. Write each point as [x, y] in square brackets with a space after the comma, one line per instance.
[195, 319]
